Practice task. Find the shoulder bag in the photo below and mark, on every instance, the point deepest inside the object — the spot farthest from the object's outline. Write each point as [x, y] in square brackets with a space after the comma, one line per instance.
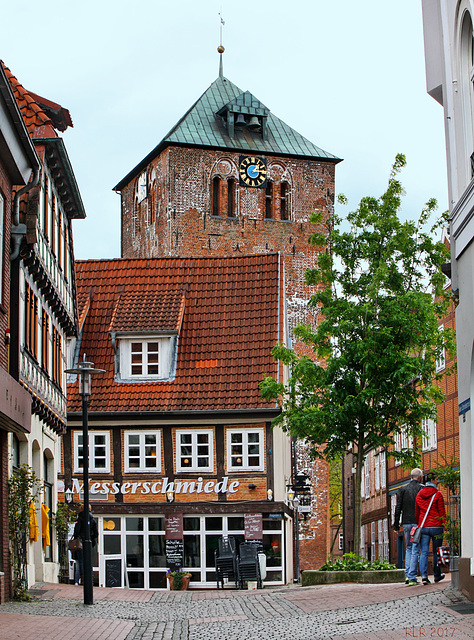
[415, 532]
[75, 544]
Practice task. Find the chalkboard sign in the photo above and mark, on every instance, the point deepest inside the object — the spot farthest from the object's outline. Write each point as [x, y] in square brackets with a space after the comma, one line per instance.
[253, 526]
[174, 526]
[113, 573]
[174, 554]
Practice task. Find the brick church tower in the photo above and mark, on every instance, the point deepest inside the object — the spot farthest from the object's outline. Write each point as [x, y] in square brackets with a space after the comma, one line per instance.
[231, 178]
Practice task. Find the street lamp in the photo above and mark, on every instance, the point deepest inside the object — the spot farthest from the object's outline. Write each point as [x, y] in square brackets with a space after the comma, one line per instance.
[85, 371]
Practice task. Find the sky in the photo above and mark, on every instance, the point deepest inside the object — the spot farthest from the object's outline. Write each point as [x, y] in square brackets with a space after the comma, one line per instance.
[349, 76]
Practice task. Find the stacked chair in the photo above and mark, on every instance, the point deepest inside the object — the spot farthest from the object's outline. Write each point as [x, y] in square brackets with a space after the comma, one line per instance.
[226, 561]
[248, 567]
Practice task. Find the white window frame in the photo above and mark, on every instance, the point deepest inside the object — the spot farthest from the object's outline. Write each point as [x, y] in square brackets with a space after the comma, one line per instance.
[367, 477]
[380, 536]
[164, 357]
[341, 542]
[441, 359]
[142, 468]
[362, 540]
[142, 190]
[93, 468]
[385, 539]
[245, 450]
[372, 541]
[430, 436]
[383, 470]
[377, 472]
[194, 452]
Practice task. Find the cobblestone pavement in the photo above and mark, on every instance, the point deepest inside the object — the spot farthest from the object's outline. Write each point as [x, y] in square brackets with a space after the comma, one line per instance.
[339, 612]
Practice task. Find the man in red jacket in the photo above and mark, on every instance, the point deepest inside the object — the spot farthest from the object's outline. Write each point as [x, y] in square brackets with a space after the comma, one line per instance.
[432, 518]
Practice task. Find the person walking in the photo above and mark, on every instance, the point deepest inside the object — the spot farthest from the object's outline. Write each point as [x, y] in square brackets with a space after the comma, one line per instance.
[406, 498]
[80, 532]
[430, 516]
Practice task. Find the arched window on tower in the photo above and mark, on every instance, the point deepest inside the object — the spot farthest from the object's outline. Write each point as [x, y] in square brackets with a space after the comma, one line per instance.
[230, 198]
[269, 199]
[284, 201]
[216, 196]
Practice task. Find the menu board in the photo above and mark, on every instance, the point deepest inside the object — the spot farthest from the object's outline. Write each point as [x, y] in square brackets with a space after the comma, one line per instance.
[174, 554]
[253, 525]
[174, 526]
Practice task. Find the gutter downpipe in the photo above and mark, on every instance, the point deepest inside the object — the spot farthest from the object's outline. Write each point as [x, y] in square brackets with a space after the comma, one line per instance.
[18, 231]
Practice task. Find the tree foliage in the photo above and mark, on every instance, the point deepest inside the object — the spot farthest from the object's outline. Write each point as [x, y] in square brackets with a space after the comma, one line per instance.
[380, 295]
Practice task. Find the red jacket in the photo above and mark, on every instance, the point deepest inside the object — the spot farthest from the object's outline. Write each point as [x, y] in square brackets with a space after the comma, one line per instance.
[437, 514]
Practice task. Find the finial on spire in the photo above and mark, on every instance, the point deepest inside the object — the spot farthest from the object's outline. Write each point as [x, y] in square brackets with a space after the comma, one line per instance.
[220, 48]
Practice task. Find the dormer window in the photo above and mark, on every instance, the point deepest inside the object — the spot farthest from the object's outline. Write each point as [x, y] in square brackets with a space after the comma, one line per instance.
[147, 358]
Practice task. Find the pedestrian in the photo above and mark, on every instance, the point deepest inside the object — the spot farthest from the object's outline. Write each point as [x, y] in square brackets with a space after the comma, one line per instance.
[406, 497]
[431, 517]
[80, 532]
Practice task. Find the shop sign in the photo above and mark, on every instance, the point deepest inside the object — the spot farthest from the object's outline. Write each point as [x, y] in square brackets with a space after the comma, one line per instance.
[159, 486]
[174, 550]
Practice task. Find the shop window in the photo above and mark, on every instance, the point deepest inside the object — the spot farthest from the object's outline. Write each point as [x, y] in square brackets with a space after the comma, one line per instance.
[284, 201]
[245, 450]
[145, 359]
[269, 200]
[99, 452]
[15, 451]
[194, 450]
[142, 451]
[216, 196]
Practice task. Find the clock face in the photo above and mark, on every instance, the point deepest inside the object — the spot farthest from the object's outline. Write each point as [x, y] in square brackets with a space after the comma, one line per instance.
[252, 171]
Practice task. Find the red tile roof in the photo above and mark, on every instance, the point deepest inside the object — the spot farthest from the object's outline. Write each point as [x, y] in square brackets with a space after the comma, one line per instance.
[153, 310]
[33, 109]
[230, 322]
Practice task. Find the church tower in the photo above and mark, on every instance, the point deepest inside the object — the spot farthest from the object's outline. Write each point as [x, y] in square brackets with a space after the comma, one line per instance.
[231, 178]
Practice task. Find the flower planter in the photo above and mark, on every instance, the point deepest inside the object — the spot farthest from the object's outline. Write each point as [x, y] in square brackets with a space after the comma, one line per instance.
[185, 585]
[311, 577]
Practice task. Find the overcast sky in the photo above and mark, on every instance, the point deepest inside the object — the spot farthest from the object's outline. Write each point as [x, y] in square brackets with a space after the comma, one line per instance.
[347, 75]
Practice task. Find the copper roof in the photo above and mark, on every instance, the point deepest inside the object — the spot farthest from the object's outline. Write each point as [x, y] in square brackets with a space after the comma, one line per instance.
[230, 311]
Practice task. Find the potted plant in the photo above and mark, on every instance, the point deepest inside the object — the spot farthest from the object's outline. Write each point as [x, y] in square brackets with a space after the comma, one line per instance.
[178, 580]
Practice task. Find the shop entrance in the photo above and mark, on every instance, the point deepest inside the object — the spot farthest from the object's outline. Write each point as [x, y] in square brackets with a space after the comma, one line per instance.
[132, 548]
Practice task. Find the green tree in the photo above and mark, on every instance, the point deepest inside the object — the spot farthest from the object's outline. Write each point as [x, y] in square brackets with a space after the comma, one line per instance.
[379, 298]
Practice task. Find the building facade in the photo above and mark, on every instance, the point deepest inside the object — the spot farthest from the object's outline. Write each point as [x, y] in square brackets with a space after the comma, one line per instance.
[181, 448]
[18, 162]
[232, 179]
[42, 310]
[448, 32]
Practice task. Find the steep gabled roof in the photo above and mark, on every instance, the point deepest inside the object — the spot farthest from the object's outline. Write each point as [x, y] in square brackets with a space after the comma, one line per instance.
[231, 320]
[201, 126]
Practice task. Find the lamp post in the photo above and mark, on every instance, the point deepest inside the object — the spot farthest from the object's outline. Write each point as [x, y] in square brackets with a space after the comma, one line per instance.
[85, 371]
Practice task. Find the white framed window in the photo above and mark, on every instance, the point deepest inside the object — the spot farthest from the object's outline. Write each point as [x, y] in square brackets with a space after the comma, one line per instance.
[362, 540]
[372, 541]
[362, 481]
[430, 439]
[441, 359]
[194, 450]
[341, 542]
[145, 358]
[245, 449]
[99, 452]
[367, 477]
[385, 539]
[398, 446]
[393, 506]
[383, 469]
[377, 472]
[380, 534]
[142, 451]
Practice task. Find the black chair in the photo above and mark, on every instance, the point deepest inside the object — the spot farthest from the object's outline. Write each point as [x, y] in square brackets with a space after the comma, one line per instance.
[226, 561]
[248, 567]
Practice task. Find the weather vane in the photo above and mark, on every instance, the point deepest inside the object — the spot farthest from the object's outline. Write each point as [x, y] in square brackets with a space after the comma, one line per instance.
[220, 48]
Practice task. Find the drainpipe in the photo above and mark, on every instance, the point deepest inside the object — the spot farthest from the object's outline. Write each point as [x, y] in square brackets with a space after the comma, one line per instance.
[18, 231]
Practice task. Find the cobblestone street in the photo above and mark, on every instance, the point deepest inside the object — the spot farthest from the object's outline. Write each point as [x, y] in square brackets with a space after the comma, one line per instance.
[371, 612]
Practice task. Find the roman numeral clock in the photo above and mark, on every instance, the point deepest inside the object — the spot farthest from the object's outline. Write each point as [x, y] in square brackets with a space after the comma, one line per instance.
[252, 171]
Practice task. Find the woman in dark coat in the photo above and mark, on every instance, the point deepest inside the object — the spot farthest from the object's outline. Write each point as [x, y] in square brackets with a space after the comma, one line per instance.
[80, 532]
